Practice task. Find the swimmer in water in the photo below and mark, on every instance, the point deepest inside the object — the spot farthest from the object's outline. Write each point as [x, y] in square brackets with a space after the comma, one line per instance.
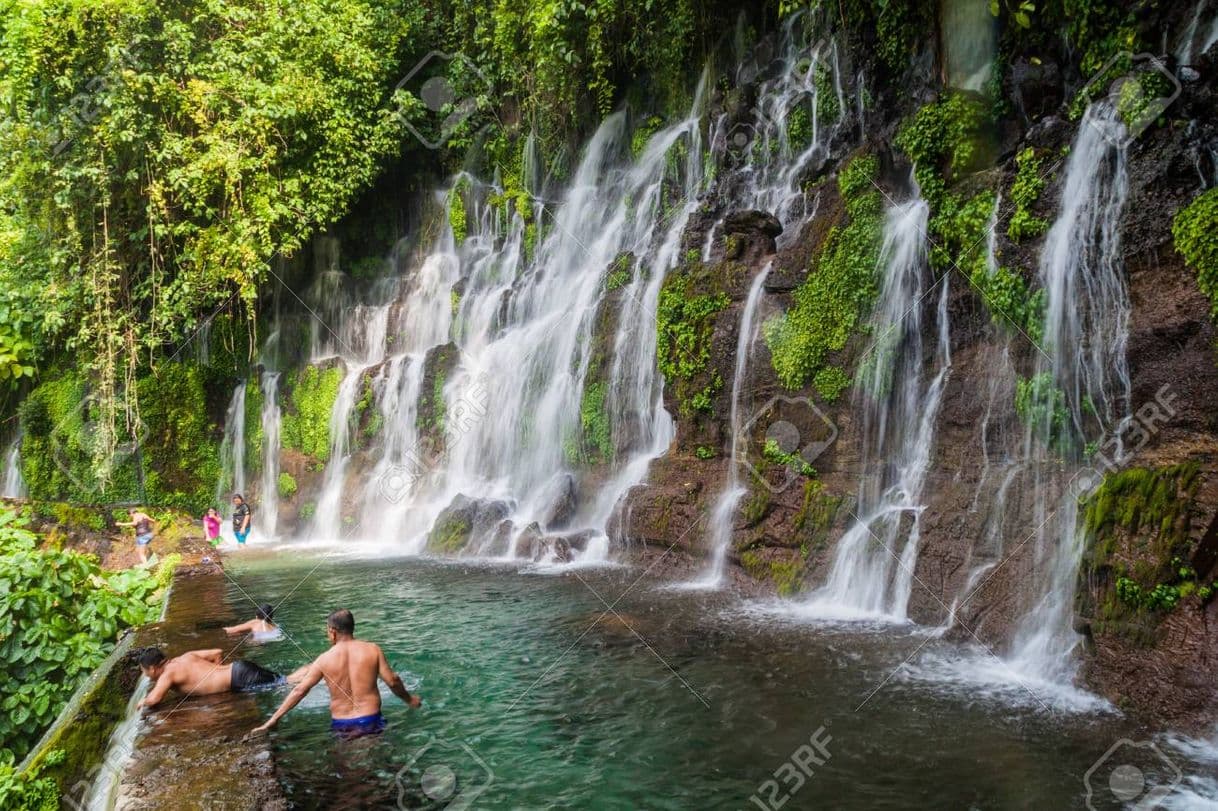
[200, 672]
[350, 669]
[261, 625]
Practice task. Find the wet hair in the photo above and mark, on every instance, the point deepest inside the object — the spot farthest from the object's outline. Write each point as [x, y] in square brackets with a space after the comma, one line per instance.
[342, 622]
[238, 495]
[132, 510]
[151, 657]
[266, 612]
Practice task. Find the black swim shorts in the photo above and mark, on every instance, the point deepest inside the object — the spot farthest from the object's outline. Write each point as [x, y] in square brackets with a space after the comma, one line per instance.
[249, 676]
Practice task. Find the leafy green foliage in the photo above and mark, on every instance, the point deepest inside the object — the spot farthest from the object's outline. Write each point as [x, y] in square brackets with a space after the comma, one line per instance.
[596, 430]
[1195, 232]
[840, 288]
[704, 452]
[170, 458]
[684, 324]
[306, 419]
[1042, 407]
[59, 618]
[286, 485]
[945, 139]
[28, 791]
[153, 161]
[774, 453]
[830, 382]
[1025, 191]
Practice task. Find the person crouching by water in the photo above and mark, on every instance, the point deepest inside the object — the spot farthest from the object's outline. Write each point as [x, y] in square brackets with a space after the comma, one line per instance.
[211, 526]
[261, 627]
[143, 531]
[350, 669]
[241, 518]
[200, 673]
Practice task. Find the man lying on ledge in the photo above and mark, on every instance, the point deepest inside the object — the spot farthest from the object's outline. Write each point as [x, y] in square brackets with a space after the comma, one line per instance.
[199, 672]
[350, 669]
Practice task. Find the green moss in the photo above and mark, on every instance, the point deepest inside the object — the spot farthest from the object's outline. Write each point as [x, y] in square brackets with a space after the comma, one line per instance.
[595, 425]
[1138, 528]
[642, 134]
[684, 325]
[817, 512]
[169, 459]
[841, 287]
[1195, 232]
[287, 485]
[305, 423]
[1025, 191]
[253, 427]
[449, 535]
[787, 576]
[456, 213]
[827, 107]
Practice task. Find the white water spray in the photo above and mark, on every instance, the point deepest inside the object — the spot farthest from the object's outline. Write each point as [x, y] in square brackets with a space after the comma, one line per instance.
[872, 572]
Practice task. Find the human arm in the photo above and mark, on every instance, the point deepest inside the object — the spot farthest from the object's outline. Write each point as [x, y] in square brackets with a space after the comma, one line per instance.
[213, 655]
[394, 681]
[244, 627]
[157, 694]
[302, 688]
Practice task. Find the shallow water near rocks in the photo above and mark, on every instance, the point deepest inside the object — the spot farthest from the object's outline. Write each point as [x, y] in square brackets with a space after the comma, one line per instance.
[535, 695]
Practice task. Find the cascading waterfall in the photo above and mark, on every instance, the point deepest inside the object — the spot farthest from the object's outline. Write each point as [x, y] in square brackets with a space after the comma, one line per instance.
[271, 417]
[1083, 369]
[724, 515]
[797, 114]
[14, 484]
[872, 572]
[232, 452]
[522, 326]
[1196, 41]
[354, 336]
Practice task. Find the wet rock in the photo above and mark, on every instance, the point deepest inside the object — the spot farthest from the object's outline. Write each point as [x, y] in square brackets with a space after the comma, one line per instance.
[749, 235]
[1035, 88]
[465, 520]
[564, 500]
[430, 419]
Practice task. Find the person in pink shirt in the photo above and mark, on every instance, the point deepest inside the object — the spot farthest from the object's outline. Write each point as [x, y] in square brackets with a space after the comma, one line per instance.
[211, 525]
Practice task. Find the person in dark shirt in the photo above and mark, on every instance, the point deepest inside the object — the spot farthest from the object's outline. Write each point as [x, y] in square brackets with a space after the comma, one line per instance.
[241, 518]
[142, 523]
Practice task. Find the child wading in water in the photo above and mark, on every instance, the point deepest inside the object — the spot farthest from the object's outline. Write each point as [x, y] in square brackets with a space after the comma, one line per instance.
[211, 526]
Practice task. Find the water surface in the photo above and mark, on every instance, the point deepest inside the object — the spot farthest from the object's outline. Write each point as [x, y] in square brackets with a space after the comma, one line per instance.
[535, 695]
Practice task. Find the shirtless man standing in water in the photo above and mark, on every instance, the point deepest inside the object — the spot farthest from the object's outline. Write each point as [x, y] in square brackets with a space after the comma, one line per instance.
[350, 668]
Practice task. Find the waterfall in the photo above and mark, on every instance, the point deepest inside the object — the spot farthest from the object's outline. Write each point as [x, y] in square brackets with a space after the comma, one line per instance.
[269, 503]
[232, 452]
[796, 116]
[1189, 47]
[1085, 371]
[513, 339]
[723, 517]
[14, 484]
[872, 571]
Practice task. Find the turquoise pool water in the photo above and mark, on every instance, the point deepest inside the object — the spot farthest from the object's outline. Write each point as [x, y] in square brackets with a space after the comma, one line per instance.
[535, 696]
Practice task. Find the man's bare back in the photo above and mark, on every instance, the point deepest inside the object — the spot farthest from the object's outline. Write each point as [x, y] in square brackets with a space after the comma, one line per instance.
[350, 669]
[199, 673]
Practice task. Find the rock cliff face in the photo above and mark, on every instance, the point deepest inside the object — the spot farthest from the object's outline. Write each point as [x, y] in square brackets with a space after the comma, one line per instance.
[981, 565]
